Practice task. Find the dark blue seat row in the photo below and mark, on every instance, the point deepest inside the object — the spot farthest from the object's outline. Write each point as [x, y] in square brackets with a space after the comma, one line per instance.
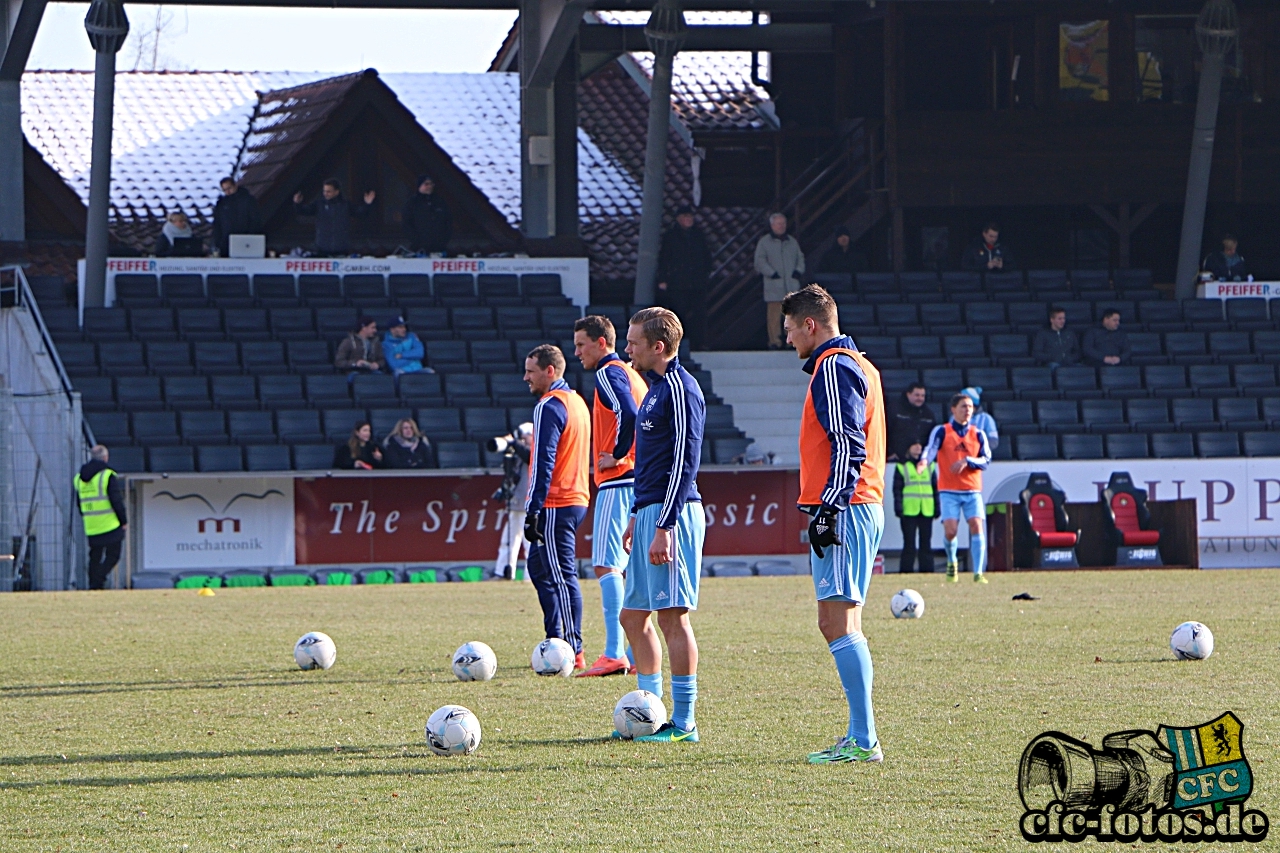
[1168, 445]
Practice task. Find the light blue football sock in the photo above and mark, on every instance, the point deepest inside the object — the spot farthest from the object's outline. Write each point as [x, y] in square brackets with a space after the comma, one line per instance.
[652, 683]
[611, 586]
[853, 662]
[978, 552]
[950, 545]
[684, 694]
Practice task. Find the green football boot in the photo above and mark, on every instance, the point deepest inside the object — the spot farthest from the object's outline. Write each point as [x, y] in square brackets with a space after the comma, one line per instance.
[846, 750]
[980, 577]
[953, 573]
[670, 733]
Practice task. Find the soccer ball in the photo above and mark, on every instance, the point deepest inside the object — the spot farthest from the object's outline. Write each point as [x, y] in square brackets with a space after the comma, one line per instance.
[638, 713]
[315, 651]
[474, 662]
[907, 604]
[553, 657]
[453, 730]
[1191, 641]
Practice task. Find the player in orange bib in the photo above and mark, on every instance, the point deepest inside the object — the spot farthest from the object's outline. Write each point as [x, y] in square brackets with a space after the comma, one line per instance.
[962, 453]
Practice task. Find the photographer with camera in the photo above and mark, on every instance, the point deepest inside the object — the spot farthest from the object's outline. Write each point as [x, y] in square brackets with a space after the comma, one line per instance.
[514, 448]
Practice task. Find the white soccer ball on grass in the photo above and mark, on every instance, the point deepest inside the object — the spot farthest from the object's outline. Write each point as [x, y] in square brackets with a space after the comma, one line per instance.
[315, 650]
[453, 730]
[907, 604]
[639, 713]
[474, 661]
[553, 657]
[1191, 641]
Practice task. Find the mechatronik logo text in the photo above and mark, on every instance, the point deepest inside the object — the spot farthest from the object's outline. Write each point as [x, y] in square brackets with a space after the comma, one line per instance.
[1173, 784]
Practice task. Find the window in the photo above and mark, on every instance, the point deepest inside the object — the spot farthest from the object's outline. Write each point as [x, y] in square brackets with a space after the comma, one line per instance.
[1082, 61]
[1168, 62]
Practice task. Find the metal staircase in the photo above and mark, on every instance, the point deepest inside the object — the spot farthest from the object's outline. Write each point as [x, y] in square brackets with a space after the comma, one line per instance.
[844, 186]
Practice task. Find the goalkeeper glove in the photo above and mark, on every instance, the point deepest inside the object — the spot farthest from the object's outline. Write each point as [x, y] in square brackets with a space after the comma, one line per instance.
[532, 534]
[822, 529]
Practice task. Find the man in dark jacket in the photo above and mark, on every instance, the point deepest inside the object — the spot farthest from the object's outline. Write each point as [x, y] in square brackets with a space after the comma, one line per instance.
[426, 220]
[236, 212]
[987, 253]
[102, 507]
[910, 421]
[333, 215]
[1055, 346]
[684, 265]
[1106, 344]
[1227, 265]
[843, 257]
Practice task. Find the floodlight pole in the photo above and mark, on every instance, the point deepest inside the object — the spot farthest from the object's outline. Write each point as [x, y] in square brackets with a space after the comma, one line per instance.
[1216, 30]
[665, 34]
[107, 26]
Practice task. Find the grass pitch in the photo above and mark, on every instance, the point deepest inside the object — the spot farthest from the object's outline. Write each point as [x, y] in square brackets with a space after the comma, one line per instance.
[165, 721]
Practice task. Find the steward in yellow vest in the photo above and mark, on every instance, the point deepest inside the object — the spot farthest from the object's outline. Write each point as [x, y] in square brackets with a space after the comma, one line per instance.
[103, 510]
[916, 505]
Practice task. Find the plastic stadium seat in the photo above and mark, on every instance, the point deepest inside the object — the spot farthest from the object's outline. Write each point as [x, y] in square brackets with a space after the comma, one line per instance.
[922, 350]
[1014, 416]
[1247, 315]
[308, 356]
[128, 460]
[1076, 383]
[333, 323]
[441, 424]
[421, 389]
[966, 350]
[1047, 279]
[857, 317]
[1255, 444]
[1121, 381]
[469, 320]
[1161, 315]
[1028, 315]
[454, 285]
[298, 426]
[498, 285]
[986, 317]
[234, 392]
[137, 286]
[1130, 522]
[1147, 348]
[365, 289]
[1217, 444]
[312, 457]
[893, 381]
[918, 282]
[78, 359]
[1166, 380]
[1010, 350]
[383, 420]
[338, 423]
[1231, 347]
[327, 390]
[463, 389]
[1148, 414]
[496, 355]
[834, 282]
[152, 324]
[1035, 446]
[1172, 445]
[458, 454]
[879, 349]
[511, 390]
[1044, 506]
[1103, 416]
[1126, 446]
[219, 458]
[292, 323]
[898, 315]
[169, 357]
[266, 457]
[377, 389]
[1255, 379]
[182, 289]
[281, 390]
[483, 423]
[217, 357]
[519, 321]
[410, 288]
[1058, 416]
[1240, 413]
[203, 427]
[1267, 345]
[942, 381]
[139, 393]
[559, 320]
[110, 428]
[319, 289]
[273, 289]
[186, 392]
[155, 428]
[1194, 415]
[1004, 282]
[1204, 315]
[1271, 411]
[171, 459]
[1033, 383]
[540, 287]
[441, 353]
[251, 427]
[1211, 380]
[244, 324]
[106, 324]
[223, 287]
[1081, 446]
[726, 451]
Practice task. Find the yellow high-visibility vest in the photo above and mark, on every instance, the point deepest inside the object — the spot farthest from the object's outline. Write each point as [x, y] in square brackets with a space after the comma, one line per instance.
[917, 489]
[95, 506]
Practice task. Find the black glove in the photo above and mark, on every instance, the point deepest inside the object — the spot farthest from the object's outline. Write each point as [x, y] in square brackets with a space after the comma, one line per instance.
[822, 530]
[532, 534]
[796, 275]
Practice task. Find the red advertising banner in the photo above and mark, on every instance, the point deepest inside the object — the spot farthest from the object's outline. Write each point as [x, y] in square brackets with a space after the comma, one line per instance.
[450, 519]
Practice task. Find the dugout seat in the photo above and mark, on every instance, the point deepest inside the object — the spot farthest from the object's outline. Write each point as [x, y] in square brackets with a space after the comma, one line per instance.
[1044, 506]
[1137, 542]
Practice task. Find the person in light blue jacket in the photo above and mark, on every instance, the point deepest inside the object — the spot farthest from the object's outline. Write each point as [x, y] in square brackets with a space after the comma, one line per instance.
[981, 419]
[402, 348]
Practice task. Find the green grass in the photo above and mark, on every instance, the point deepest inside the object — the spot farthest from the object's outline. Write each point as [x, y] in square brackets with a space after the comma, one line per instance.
[166, 721]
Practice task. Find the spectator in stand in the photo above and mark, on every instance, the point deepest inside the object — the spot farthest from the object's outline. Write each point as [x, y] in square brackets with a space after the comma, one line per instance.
[910, 422]
[333, 215]
[780, 263]
[843, 257]
[987, 254]
[359, 452]
[1055, 347]
[1227, 265]
[981, 418]
[360, 351]
[177, 240]
[236, 212]
[915, 494]
[427, 222]
[406, 447]
[684, 266]
[402, 349]
[1106, 344]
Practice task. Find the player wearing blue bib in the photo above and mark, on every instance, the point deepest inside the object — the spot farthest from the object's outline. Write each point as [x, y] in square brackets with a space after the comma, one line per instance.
[667, 526]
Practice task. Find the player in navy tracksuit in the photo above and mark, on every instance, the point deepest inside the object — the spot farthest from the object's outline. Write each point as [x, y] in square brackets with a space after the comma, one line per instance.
[668, 526]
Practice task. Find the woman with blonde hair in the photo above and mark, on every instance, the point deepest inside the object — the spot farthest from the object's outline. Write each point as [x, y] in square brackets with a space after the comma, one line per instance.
[406, 447]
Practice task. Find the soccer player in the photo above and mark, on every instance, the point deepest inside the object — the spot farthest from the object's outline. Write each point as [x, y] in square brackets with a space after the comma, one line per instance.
[557, 502]
[962, 453]
[667, 528]
[619, 391]
[842, 462]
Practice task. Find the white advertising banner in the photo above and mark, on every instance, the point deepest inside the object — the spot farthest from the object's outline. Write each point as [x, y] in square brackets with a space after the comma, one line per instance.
[575, 279]
[216, 523]
[1237, 499]
[1241, 289]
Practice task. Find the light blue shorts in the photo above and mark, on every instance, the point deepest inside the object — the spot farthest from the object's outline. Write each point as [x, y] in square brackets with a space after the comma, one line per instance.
[652, 587]
[843, 572]
[612, 514]
[962, 505]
